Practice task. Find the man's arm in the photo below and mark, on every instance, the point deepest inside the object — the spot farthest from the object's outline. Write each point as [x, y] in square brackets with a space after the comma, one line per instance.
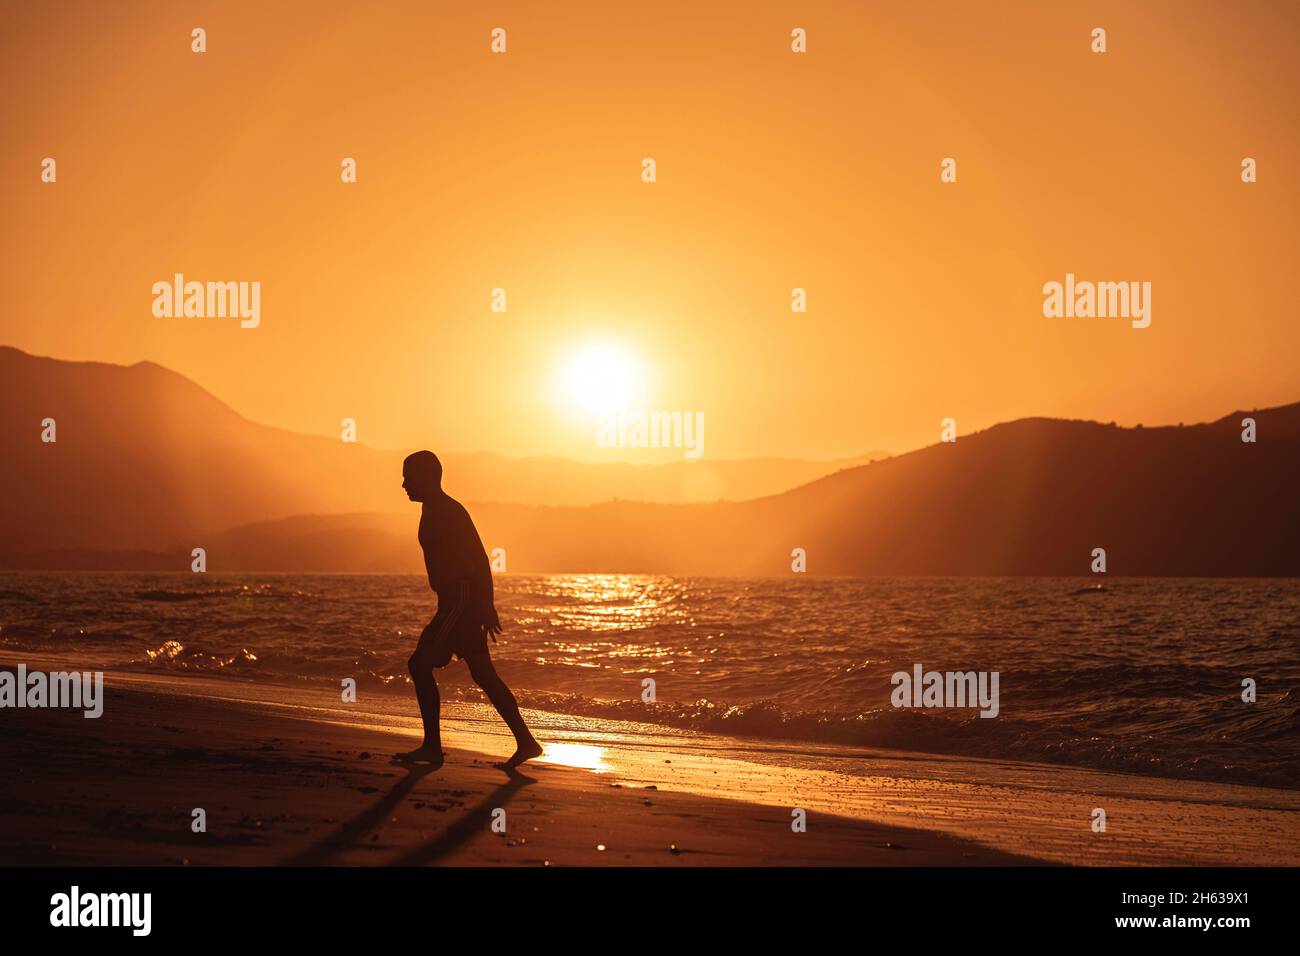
[491, 623]
[483, 588]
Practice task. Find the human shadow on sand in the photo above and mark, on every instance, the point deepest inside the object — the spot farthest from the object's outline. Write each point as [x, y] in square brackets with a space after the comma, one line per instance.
[472, 822]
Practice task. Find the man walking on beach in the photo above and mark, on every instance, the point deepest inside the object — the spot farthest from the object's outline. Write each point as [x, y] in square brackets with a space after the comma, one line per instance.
[462, 578]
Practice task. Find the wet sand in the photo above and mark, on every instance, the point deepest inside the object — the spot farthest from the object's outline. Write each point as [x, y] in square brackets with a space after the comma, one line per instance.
[292, 775]
[282, 787]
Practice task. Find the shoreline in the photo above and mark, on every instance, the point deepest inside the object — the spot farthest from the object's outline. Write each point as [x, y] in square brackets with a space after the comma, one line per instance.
[997, 810]
[296, 790]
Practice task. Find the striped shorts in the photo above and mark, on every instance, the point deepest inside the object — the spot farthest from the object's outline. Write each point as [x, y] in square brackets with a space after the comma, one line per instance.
[455, 629]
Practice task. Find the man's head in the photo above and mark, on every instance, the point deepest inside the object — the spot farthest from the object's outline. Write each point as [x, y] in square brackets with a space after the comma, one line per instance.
[422, 475]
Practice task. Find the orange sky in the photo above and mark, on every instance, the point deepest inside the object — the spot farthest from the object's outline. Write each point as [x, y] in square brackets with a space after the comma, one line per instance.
[776, 170]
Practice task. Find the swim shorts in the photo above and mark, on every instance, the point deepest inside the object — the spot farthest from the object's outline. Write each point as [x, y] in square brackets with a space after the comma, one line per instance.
[455, 629]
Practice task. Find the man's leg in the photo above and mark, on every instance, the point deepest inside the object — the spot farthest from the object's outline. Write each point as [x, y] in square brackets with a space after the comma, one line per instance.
[426, 695]
[486, 676]
[421, 667]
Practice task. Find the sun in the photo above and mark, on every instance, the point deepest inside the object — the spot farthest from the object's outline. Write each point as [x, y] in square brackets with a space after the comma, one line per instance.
[603, 378]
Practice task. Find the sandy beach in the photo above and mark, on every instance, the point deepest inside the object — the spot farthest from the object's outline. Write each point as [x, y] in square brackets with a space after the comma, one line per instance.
[283, 787]
[287, 776]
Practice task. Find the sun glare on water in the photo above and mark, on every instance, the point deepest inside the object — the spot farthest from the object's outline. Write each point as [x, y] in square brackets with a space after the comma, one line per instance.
[582, 756]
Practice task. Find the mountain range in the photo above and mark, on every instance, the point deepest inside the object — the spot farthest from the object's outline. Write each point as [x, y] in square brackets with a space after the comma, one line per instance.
[148, 465]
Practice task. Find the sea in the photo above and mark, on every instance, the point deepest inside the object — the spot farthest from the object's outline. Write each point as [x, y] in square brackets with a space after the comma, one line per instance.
[1141, 675]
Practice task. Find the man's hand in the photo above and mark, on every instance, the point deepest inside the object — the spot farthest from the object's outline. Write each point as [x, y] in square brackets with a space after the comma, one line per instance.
[492, 625]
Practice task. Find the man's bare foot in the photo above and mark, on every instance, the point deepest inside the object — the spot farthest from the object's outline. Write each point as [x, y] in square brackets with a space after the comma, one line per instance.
[525, 752]
[424, 754]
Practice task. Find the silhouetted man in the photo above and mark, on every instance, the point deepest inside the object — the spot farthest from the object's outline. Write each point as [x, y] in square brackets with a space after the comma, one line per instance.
[462, 578]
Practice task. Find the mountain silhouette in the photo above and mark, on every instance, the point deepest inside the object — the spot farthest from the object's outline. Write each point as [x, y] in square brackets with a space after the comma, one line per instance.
[149, 465]
[1034, 496]
[146, 460]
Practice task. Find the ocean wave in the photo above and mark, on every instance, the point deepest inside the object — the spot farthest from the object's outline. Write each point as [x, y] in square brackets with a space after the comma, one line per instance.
[207, 594]
[965, 734]
[176, 656]
[1147, 678]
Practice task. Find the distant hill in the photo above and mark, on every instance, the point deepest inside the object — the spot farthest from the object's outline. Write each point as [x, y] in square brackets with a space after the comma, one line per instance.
[1027, 497]
[146, 460]
[1035, 496]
